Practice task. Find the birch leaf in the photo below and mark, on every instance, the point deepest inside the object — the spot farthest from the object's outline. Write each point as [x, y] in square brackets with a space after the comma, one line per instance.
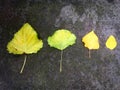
[25, 41]
[111, 42]
[61, 39]
[91, 40]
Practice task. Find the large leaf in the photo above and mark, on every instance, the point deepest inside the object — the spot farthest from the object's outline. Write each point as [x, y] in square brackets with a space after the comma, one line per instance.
[61, 39]
[111, 42]
[25, 41]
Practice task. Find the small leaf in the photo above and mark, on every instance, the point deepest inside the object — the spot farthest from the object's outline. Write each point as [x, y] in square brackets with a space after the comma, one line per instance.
[25, 41]
[91, 40]
[111, 42]
[61, 39]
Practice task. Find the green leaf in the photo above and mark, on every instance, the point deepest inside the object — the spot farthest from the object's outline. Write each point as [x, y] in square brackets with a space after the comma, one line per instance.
[61, 39]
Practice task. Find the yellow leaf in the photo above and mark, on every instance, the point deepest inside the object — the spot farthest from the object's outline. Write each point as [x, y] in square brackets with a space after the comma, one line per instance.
[25, 41]
[111, 42]
[91, 40]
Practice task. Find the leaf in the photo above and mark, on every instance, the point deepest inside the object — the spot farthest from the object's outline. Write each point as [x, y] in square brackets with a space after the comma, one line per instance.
[111, 42]
[91, 40]
[25, 41]
[61, 39]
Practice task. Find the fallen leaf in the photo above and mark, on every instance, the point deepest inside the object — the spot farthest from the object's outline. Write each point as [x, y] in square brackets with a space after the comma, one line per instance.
[61, 39]
[91, 41]
[25, 41]
[111, 42]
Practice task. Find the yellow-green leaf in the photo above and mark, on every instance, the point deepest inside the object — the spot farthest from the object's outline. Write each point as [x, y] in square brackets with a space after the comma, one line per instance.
[111, 42]
[91, 40]
[25, 41]
[61, 39]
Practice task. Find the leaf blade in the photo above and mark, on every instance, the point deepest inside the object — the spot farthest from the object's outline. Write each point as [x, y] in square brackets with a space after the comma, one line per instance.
[111, 42]
[91, 40]
[25, 41]
[61, 39]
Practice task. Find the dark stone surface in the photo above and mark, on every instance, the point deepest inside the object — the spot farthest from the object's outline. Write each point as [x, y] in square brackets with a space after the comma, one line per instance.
[101, 72]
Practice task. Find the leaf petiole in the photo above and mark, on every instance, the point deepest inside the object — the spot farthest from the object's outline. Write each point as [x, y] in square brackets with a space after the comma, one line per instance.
[61, 60]
[89, 54]
[21, 71]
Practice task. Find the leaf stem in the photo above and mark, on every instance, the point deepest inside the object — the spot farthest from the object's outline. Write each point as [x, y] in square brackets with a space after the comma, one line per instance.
[21, 71]
[89, 54]
[61, 60]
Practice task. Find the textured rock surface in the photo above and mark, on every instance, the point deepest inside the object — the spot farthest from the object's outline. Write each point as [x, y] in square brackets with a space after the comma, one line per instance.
[101, 72]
